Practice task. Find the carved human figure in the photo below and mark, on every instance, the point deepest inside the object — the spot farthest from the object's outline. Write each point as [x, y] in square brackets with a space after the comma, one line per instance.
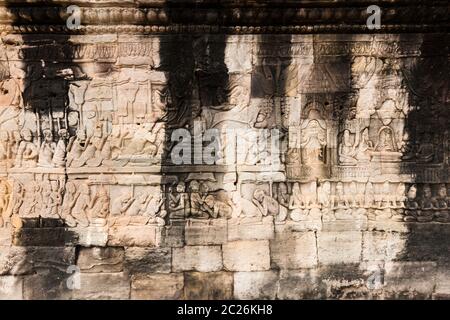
[267, 205]
[340, 205]
[76, 146]
[282, 194]
[427, 205]
[27, 153]
[313, 143]
[243, 208]
[59, 157]
[386, 142]
[70, 198]
[412, 206]
[5, 150]
[442, 204]
[54, 201]
[297, 204]
[47, 150]
[425, 151]
[383, 200]
[99, 208]
[94, 152]
[178, 201]
[82, 205]
[365, 147]
[399, 200]
[347, 150]
[4, 202]
[197, 201]
[154, 210]
[17, 199]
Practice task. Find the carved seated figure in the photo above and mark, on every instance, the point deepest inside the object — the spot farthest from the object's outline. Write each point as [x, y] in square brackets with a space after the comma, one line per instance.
[154, 211]
[47, 150]
[59, 157]
[76, 147]
[411, 205]
[347, 150]
[385, 149]
[178, 201]
[268, 206]
[339, 205]
[365, 147]
[425, 151]
[99, 208]
[243, 209]
[297, 204]
[217, 208]
[383, 201]
[27, 153]
[324, 200]
[197, 201]
[427, 205]
[399, 201]
[95, 152]
[442, 203]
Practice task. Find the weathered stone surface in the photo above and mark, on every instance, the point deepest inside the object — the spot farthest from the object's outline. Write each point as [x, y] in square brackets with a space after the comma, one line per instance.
[44, 237]
[410, 280]
[339, 247]
[209, 233]
[300, 284]
[208, 286]
[383, 246]
[98, 286]
[246, 255]
[48, 285]
[442, 288]
[139, 236]
[255, 285]
[148, 260]
[263, 230]
[26, 260]
[91, 236]
[157, 286]
[11, 288]
[294, 250]
[173, 235]
[5, 236]
[197, 258]
[100, 259]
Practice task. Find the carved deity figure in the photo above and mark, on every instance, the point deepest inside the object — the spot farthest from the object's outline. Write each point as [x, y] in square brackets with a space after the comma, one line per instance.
[297, 204]
[386, 142]
[340, 204]
[27, 153]
[313, 143]
[425, 151]
[347, 150]
[365, 147]
[383, 203]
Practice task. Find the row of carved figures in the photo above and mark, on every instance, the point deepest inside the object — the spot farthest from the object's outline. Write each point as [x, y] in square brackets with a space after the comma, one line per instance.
[83, 204]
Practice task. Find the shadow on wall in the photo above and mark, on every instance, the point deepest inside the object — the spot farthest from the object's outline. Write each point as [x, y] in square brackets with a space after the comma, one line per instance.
[426, 80]
[43, 249]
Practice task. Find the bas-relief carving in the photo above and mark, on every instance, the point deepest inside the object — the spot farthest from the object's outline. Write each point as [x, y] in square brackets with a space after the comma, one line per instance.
[115, 117]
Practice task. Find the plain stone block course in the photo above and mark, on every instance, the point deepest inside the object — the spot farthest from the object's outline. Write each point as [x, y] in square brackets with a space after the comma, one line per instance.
[208, 285]
[246, 255]
[157, 286]
[255, 285]
[98, 259]
[294, 250]
[339, 247]
[197, 258]
[148, 260]
[103, 286]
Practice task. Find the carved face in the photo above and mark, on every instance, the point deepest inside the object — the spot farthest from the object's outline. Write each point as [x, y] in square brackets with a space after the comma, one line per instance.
[194, 186]
[443, 191]
[412, 192]
[259, 195]
[427, 191]
[180, 188]
[48, 136]
[26, 135]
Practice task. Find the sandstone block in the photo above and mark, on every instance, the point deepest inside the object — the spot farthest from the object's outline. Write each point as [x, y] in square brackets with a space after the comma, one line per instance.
[255, 285]
[246, 255]
[197, 258]
[157, 286]
[148, 260]
[383, 246]
[294, 250]
[300, 284]
[208, 286]
[96, 286]
[139, 236]
[206, 233]
[263, 230]
[11, 288]
[100, 259]
[339, 247]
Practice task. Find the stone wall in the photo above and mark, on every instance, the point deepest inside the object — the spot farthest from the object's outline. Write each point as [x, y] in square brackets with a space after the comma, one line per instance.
[315, 159]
